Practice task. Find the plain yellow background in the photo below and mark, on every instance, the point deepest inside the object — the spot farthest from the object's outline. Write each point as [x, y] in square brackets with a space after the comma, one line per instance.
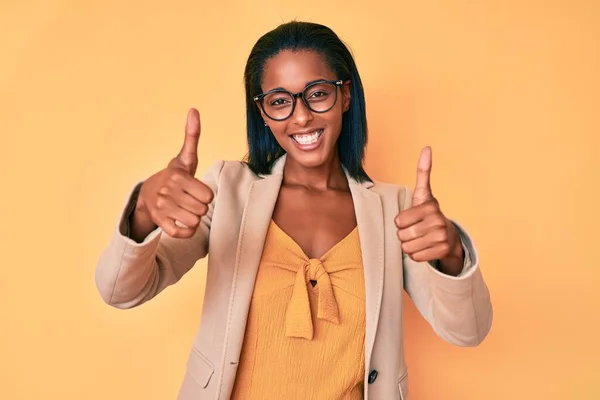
[93, 97]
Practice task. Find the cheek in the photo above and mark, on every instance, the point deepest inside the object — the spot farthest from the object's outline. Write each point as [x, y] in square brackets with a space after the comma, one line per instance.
[334, 121]
[278, 130]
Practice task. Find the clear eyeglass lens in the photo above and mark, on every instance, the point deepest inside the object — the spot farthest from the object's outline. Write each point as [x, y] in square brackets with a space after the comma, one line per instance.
[320, 98]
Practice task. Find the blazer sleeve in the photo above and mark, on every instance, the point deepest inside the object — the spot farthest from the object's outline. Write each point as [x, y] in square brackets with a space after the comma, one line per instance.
[458, 308]
[129, 273]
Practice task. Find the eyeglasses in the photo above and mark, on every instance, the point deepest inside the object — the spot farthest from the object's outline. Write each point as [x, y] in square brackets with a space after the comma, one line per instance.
[319, 96]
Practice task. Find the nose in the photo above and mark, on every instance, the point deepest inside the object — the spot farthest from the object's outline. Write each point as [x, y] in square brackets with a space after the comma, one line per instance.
[302, 114]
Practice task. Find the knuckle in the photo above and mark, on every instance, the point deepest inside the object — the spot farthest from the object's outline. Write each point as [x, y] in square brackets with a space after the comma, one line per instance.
[400, 220]
[443, 235]
[195, 221]
[164, 190]
[161, 202]
[415, 231]
[431, 206]
[406, 248]
[209, 196]
[440, 222]
[202, 209]
[400, 235]
[445, 248]
[176, 176]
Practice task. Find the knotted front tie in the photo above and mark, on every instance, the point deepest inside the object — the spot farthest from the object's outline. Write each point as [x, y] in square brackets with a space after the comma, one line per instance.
[298, 318]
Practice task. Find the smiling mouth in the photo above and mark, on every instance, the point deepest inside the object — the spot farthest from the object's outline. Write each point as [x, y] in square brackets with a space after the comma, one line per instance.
[308, 138]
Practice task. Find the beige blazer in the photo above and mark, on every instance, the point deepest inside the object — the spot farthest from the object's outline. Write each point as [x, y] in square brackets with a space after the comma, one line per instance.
[233, 232]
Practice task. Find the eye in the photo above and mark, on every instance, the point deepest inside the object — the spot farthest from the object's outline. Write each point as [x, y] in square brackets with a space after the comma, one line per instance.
[318, 94]
[281, 101]
[278, 102]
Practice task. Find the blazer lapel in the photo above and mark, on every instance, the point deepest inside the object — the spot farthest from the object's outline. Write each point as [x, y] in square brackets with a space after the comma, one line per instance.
[256, 217]
[369, 216]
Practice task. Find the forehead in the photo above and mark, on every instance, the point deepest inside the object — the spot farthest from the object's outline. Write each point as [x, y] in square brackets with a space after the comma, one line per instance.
[292, 70]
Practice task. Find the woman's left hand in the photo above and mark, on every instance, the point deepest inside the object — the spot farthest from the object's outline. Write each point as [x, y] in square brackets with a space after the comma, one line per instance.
[423, 230]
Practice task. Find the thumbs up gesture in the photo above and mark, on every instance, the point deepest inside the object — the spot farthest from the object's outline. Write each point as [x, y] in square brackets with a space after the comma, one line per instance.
[423, 230]
[173, 198]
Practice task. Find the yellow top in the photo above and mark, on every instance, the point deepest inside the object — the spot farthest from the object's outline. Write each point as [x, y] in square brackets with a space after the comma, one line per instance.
[305, 342]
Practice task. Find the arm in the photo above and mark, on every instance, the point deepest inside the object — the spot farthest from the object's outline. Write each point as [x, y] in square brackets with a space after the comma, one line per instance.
[458, 308]
[129, 273]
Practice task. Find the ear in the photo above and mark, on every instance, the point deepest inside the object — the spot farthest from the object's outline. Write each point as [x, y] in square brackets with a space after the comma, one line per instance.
[346, 96]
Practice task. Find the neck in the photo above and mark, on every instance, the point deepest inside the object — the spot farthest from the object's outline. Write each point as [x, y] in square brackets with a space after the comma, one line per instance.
[329, 175]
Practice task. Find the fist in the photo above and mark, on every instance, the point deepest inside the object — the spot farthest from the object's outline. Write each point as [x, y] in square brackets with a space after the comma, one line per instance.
[423, 230]
[173, 198]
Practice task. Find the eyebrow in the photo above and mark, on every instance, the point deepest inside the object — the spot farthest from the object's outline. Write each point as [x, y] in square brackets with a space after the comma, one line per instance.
[305, 85]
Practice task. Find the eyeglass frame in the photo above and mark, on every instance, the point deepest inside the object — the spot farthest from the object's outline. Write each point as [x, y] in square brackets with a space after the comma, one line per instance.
[260, 97]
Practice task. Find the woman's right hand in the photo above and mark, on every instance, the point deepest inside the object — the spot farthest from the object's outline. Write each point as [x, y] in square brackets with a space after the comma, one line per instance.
[173, 199]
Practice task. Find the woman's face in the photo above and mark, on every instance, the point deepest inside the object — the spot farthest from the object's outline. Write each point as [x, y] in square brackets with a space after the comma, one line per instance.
[308, 137]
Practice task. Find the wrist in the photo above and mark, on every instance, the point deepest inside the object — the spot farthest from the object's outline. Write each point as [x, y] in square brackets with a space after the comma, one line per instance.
[453, 263]
[140, 208]
[141, 223]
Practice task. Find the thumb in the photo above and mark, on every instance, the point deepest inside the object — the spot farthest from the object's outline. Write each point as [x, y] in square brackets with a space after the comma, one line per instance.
[188, 155]
[422, 192]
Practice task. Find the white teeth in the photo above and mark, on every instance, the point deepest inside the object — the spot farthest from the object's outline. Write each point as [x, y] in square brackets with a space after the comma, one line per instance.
[309, 138]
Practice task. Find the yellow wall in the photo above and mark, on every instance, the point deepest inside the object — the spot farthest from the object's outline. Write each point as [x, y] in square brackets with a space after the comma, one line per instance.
[93, 97]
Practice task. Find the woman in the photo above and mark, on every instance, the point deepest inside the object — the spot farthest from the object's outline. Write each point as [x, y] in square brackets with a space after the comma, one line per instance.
[307, 255]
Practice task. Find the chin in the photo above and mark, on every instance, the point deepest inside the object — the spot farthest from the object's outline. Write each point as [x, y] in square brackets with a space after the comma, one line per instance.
[312, 160]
